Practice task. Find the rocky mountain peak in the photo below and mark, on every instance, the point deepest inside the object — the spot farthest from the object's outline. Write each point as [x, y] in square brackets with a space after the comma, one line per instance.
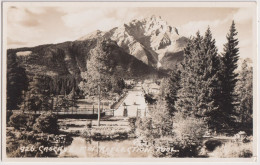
[148, 39]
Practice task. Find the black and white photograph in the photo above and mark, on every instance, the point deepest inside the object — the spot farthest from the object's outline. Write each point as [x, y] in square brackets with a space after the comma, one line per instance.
[147, 80]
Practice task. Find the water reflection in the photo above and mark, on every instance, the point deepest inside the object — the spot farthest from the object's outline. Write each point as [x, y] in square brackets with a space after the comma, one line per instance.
[81, 148]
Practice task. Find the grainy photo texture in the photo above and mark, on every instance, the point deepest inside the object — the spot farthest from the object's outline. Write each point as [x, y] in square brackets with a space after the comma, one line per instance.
[93, 80]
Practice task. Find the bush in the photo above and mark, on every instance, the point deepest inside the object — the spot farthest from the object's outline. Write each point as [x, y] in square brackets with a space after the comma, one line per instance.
[233, 150]
[18, 121]
[47, 123]
[188, 127]
[212, 144]
[188, 132]
[144, 127]
[132, 122]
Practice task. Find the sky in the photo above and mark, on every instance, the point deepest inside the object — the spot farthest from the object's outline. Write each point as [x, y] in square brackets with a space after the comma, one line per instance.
[35, 25]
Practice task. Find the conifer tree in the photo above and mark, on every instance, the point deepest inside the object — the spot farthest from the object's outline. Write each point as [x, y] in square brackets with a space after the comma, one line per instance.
[172, 87]
[188, 95]
[199, 82]
[244, 90]
[229, 76]
[17, 82]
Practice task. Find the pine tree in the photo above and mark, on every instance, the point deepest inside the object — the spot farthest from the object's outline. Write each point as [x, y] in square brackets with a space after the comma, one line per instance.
[172, 87]
[229, 76]
[211, 80]
[17, 82]
[187, 96]
[199, 82]
[244, 90]
[99, 71]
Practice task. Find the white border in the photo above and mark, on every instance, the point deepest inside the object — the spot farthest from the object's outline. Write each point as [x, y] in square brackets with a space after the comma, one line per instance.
[148, 4]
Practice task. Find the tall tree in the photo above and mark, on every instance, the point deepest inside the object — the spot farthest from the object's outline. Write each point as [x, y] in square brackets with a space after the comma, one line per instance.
[99, 71]
[244, 90]
[38, 94]
[172, 87]
[229, 76]
[212, 85]
[17, 82]
[100, 67]
[199, 79]
[188, 94]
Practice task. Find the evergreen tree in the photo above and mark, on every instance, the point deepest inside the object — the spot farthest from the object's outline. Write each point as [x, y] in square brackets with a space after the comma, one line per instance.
[38, 95]
[212, 85]
[199, 80]
[172, 87]
[244, 90]
[99, 71]
[229, 76]
[187, 95]
[17, 82]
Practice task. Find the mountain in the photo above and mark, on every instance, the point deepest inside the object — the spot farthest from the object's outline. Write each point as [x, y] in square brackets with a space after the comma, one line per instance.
[149, 40]
[71, 58]
[139, 48]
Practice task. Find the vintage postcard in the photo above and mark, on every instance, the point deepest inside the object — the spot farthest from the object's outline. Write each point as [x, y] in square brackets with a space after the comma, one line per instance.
[129, 81]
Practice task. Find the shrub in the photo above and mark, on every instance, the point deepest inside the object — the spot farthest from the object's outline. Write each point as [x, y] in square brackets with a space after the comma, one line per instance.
[188, 127]
[144, 126]
[18, 121]
[188, 132]
[132, 123]
[47, 123]
[212, 144]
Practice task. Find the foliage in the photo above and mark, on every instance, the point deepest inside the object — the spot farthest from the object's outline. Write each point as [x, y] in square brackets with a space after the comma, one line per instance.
[194, 95]
[118, 84]
[63, 103]
[234, 150]
[188, 128]
[17, 82]
[47, 123]
[38, 95]
[212, 144]
[185, 141]
[172, 87]
[244, 90]
[144, 127]
[229, 77]
[99, 71]
[18, 121]
[162, 119]
[149, 99]
[132, 123]
[18, 144]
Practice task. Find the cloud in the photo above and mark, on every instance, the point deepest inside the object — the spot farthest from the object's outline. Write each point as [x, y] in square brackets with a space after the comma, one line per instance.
[22, 28]
[88, 20]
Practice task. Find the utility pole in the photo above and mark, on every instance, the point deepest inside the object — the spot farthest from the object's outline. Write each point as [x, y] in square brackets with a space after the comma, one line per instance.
[98, 124]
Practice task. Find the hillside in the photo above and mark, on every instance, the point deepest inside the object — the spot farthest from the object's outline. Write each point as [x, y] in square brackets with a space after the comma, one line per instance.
[71, 58]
